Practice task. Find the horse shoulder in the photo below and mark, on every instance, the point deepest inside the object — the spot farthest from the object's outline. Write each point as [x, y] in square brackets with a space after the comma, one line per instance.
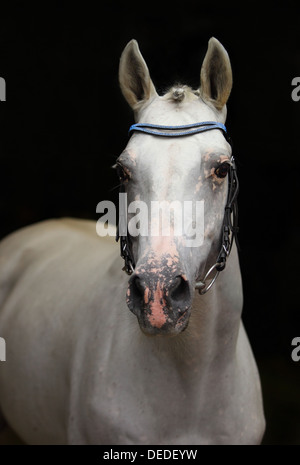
[52, 282]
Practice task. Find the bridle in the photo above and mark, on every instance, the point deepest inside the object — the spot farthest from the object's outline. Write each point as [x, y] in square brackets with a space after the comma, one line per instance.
[229, 228]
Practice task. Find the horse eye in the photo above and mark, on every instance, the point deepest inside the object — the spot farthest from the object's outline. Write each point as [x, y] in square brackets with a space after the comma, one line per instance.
[222, 170]
[122, 175]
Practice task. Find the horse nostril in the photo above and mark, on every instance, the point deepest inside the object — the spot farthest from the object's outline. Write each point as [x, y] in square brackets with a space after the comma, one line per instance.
[137, 291]
[180, 291]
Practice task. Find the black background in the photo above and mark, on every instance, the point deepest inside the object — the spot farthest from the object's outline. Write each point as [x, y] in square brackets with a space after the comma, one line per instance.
[65, 122]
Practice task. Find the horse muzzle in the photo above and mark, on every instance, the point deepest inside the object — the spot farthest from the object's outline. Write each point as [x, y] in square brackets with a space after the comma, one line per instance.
[161, 302]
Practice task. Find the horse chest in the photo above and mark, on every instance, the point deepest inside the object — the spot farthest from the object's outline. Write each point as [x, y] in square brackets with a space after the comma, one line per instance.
[141, 397]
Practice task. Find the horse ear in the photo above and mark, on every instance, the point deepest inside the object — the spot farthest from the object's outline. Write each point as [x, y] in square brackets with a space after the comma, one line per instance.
[216, 75]
[134, 77]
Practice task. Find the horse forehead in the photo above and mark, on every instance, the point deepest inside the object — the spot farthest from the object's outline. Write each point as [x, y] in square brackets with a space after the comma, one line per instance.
[165, 155]
[179, 154]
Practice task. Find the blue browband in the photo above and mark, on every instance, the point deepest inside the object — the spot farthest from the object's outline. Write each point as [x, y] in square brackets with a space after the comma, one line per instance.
[185, 130]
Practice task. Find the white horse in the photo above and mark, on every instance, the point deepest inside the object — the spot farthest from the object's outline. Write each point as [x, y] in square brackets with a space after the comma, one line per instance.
[178, 369]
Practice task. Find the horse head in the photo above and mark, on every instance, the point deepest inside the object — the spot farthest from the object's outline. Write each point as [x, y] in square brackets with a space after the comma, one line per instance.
[186, 178]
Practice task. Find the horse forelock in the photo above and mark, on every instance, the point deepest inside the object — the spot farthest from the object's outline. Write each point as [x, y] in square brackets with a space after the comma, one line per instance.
[180, 92]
